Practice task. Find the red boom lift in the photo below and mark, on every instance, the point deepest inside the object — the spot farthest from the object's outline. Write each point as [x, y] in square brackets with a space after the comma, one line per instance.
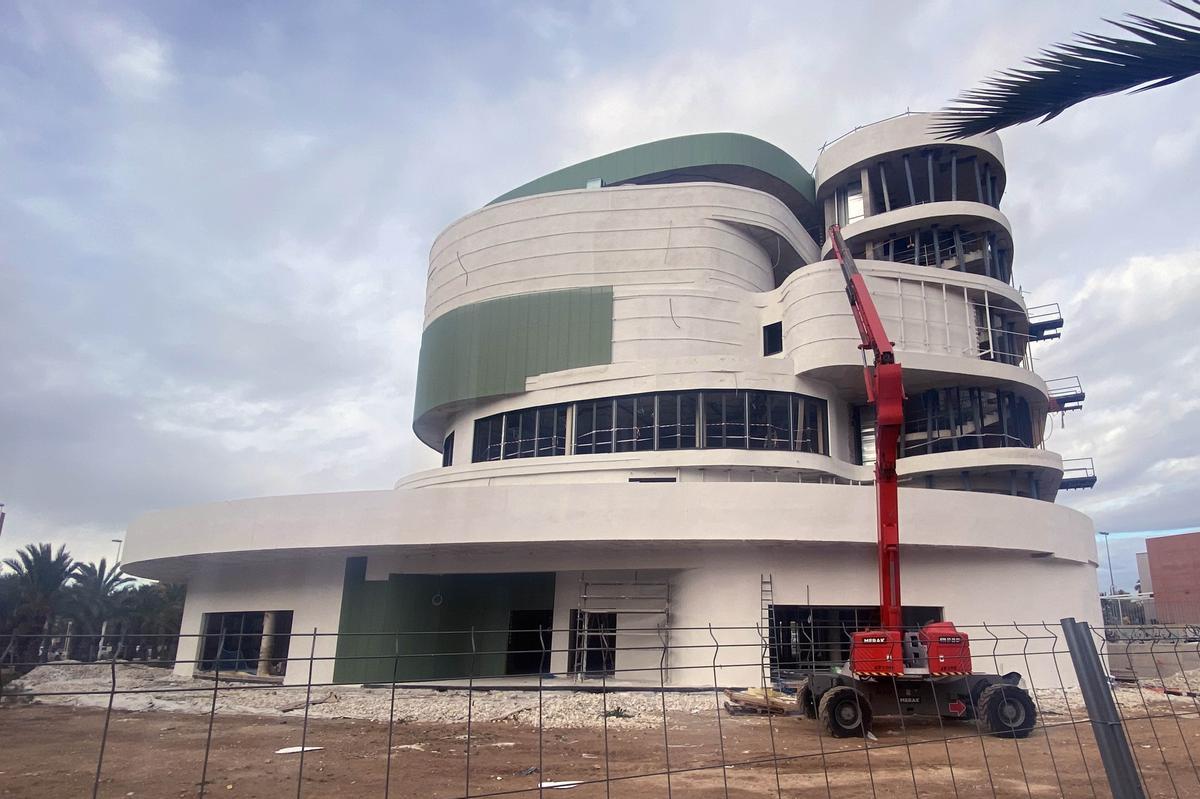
[893, 671]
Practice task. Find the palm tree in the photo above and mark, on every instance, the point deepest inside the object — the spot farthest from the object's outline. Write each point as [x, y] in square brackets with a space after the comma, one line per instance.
[150, 617]
[93, 601]
[9, 600]
[42, 575]
[1165, 52]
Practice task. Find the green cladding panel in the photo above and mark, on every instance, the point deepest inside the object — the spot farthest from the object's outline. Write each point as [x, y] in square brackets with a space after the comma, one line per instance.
[417, 626]
[489, 348]
[731, 157]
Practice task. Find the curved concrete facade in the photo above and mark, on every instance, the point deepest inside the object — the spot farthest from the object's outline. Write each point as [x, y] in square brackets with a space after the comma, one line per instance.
[702, 420]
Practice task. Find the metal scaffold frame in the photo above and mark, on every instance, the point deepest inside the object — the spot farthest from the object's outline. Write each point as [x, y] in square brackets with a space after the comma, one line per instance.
[634, 596]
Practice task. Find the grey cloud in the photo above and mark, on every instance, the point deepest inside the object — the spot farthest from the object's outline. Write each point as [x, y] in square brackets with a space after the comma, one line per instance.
[213, 279]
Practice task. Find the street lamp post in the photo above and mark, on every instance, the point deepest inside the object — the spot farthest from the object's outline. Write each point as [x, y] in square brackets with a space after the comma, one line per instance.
[1112, 580]
[119, 542]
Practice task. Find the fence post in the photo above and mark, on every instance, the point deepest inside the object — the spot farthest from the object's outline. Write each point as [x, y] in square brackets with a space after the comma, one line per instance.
[1102, 710]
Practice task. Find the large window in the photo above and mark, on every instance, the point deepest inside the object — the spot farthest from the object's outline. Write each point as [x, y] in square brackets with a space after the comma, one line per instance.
[850, 203]
[521, 434]
[956, 418]
[644, 422]
[246, 641]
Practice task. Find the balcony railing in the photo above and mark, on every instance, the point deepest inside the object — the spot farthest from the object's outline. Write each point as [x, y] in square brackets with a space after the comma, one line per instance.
[1066, 393]
[1078, 473]
[1045, 322]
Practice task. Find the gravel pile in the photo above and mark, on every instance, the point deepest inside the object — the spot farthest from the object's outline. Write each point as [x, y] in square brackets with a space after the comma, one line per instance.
[87, 685]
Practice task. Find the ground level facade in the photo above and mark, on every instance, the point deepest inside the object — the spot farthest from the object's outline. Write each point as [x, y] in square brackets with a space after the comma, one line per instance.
[495, 587]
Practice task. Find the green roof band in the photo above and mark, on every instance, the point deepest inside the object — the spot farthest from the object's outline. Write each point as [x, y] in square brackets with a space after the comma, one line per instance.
[723, 157]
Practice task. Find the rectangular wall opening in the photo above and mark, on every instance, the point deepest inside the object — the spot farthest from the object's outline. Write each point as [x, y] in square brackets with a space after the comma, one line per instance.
[248, 642]
[529, 646]
[442, 626]
[773, 338]
[806, 637]
[596, 654]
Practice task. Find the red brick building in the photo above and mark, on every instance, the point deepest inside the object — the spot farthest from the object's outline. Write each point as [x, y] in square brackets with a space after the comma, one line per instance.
[1175, 575]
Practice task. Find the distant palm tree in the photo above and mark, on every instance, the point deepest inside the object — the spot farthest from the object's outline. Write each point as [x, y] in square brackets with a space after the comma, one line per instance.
[150, 617]
[42, 576]
[93, 601]
[1092, 66]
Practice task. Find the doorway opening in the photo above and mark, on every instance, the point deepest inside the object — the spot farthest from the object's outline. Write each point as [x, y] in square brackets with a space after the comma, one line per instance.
[528, 647]
[595, 653]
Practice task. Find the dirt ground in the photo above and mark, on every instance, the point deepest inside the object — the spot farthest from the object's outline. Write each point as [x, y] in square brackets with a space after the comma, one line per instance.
[51, 751]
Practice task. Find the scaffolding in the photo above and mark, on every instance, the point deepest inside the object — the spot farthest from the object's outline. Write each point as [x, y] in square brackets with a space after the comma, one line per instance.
[602, 602]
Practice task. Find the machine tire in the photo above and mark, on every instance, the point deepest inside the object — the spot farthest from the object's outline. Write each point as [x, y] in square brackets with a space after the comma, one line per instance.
[1007, 711]
[845, 713]
[806, 703]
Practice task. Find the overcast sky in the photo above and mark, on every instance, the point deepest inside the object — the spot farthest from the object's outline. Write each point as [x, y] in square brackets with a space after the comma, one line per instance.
[215, 220]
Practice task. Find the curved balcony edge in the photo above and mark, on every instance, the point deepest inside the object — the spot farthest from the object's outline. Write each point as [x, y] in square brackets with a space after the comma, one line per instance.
[170, 544]
[945, 213]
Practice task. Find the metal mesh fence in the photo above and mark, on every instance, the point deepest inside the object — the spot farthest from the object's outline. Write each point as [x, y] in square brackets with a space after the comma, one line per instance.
[687, 711]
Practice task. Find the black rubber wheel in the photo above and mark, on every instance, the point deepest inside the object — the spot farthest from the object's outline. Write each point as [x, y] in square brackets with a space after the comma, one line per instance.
[804, 700]
[845, 713]
[1007, 711]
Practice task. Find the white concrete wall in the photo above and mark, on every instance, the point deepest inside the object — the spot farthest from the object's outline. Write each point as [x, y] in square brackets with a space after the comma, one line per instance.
[619, 236]
[310, 587]
[173, 544]
[821, 337]
[712, 583]
[986, 558]
[895, 135]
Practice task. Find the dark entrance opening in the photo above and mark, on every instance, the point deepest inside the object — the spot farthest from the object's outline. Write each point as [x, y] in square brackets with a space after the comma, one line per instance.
[529, 642]
[809, 637]
[595, 654]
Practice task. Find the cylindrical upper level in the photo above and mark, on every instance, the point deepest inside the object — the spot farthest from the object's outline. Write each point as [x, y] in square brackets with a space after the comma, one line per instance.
[665, 312]
[902, 195]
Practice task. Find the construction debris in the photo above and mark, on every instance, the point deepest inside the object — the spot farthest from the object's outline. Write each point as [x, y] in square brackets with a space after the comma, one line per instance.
[295, 750]
[757, 700]
[330, 697]
[142, 688]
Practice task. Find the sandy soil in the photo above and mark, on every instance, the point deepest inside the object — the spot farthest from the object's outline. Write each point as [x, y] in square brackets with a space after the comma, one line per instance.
[51, 751]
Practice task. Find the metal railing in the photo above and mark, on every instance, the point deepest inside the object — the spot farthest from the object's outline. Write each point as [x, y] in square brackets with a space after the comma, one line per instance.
[666, 720]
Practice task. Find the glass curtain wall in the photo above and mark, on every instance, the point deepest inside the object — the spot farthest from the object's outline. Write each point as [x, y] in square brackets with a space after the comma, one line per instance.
[956, 418]
[666, 421]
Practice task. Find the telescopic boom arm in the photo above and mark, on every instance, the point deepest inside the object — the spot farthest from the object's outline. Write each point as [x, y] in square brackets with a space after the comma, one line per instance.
[885, 390]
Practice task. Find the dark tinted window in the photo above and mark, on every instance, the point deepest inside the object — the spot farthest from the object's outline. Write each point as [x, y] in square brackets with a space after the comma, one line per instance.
[672, 420]
[773, 338]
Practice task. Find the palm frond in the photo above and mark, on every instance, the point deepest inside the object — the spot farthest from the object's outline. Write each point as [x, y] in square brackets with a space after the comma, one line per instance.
[1093, 65]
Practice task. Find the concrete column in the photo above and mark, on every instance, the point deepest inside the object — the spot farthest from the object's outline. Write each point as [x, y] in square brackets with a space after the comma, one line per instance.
[912, 195]
[953, 175]
[929, 171]
[264, 648]
[865, 179]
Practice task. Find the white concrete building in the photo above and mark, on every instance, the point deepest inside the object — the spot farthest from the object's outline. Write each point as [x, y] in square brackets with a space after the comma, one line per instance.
[643, 374]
